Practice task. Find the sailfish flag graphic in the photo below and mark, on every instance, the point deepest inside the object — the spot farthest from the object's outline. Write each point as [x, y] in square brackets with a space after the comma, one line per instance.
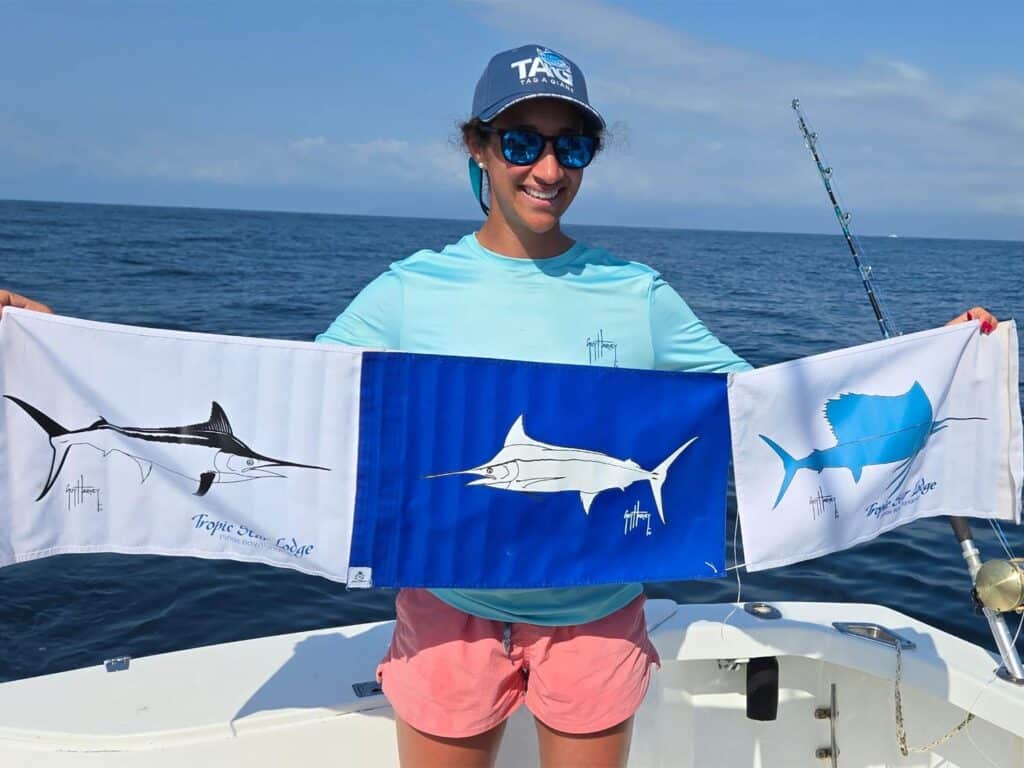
[870, 430]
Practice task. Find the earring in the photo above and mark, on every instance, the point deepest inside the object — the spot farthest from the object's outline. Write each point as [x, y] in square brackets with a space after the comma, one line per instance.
[481, 166]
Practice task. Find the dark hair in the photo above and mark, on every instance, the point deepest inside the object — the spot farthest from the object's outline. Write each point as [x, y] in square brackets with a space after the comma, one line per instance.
[471, 130]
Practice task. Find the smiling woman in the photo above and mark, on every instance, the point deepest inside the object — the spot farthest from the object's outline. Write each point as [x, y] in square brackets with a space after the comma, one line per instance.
[520, 288]
[531, 187]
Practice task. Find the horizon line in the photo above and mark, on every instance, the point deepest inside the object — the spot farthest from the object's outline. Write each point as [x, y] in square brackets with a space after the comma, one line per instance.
[476, 222]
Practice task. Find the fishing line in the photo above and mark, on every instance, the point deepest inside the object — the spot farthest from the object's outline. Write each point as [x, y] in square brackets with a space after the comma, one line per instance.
[735, 540]
[967, 730]
[736, 567]
[1001, 535]
[977, 698]
[979, 750]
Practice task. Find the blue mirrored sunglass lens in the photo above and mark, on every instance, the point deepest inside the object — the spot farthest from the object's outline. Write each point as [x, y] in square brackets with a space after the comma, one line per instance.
[574, 151]
[521, 147]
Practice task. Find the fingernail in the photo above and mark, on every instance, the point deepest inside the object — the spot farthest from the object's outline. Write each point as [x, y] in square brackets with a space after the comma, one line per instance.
[970, 316]
[987, 327]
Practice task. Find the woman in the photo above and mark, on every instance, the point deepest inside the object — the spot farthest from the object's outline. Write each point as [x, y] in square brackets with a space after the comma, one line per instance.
[461, 661]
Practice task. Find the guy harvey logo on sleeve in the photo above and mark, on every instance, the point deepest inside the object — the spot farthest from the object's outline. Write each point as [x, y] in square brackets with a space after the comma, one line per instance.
[546, 67]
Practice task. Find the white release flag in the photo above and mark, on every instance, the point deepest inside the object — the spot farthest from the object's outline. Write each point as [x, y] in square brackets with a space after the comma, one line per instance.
[832, 450]
[135, 440]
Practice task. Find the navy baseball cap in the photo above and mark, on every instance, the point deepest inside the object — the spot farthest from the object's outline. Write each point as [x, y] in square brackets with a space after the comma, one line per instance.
[531, 72]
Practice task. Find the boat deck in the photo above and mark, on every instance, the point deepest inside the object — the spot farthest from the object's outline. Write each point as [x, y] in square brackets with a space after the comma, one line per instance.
[291, 698]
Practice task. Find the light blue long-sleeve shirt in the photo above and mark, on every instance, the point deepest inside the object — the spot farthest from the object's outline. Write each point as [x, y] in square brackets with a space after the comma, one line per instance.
[583, 306]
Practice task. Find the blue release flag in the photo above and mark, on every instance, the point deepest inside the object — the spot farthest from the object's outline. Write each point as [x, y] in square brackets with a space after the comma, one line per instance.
[498, 474]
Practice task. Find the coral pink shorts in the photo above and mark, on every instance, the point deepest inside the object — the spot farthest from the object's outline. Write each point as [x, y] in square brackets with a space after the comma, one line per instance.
[452, 674]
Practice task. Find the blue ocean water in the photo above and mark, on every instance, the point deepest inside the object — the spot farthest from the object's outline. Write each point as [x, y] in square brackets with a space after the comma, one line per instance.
[772, 297]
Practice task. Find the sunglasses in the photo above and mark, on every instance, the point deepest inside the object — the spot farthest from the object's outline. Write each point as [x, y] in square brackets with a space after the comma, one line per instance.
[521, 146]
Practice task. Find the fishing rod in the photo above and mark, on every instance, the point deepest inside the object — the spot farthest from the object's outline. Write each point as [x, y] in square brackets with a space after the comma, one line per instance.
[811, 140]
[994, 582]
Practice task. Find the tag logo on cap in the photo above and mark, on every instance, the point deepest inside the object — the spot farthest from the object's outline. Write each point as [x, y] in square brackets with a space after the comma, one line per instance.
[546, 67]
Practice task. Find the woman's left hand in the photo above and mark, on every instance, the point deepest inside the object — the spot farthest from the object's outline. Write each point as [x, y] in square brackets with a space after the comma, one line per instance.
[988, 320]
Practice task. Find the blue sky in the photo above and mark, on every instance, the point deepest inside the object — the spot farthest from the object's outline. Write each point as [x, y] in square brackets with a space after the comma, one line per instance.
[351, 107]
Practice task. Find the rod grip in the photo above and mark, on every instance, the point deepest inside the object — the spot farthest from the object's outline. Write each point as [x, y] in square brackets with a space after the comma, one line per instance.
[961, 529]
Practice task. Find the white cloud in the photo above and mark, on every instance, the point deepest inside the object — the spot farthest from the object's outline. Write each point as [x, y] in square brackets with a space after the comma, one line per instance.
[705, 124]
[711, 124]
[310, 160]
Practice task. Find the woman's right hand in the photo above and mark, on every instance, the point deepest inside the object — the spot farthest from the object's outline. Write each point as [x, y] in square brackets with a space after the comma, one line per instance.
[12, 299]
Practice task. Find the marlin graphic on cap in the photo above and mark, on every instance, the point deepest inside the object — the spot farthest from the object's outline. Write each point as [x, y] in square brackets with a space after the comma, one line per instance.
[207, 452]
[870, 430]
[525, 464]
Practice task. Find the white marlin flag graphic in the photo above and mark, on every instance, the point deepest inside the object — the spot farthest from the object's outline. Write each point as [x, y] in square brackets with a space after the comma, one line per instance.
[525, 464]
